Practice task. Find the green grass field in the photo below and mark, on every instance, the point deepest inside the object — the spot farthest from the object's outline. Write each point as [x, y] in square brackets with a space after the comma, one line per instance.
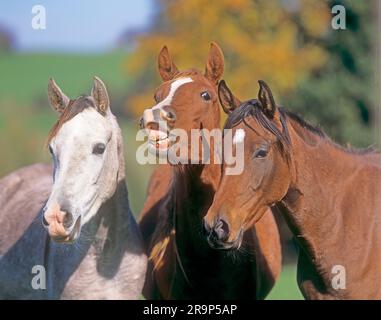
[286, 287]
[24, 77]
[25, 119]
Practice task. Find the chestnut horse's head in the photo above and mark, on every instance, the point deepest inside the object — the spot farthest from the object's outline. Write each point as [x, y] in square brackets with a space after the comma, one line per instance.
[185, 100]
[85, 144]
[242, 199]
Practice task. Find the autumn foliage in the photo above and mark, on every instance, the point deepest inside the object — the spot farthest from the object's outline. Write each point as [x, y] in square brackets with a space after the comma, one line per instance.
[260, 40]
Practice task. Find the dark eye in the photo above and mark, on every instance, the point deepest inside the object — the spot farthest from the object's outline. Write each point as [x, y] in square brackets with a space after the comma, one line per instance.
[205, 95]
[99, 148]
[261, 153]
[50, 149]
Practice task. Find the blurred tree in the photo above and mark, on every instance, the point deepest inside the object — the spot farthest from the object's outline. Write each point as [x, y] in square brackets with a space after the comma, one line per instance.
[6, 39]
[340, 95]
[260, 40]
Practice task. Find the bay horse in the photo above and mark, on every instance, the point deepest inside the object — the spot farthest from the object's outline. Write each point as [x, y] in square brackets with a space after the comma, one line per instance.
[182, 265]
[330, 196]
[88, 244]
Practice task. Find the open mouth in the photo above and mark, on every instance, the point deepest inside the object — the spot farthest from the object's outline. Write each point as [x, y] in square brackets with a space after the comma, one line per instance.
[158, 140]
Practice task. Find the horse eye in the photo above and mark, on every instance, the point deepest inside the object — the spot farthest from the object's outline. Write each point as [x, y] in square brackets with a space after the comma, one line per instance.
[50, 149]
[205, 95]
[99, 148]
[260, 153]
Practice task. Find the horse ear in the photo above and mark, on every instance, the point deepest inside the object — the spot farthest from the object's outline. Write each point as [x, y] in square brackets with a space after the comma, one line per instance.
[167, 68]
[100, 95]
[228, 101]
[215, 63]
[57, 99]
[266, 99]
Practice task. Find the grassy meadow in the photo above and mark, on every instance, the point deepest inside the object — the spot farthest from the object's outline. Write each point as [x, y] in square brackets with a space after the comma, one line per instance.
[25, 119]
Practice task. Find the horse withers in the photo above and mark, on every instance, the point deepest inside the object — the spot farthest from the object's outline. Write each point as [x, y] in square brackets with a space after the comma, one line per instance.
[329, 195]
[88, 245]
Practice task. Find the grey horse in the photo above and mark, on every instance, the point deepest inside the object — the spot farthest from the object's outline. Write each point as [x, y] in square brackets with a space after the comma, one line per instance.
[75, 238]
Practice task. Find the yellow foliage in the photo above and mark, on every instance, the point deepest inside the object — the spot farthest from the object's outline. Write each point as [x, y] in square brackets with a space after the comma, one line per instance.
[260, 40]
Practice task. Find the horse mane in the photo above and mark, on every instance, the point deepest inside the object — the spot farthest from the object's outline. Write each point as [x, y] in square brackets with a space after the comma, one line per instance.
[74, 107]
[252, 108]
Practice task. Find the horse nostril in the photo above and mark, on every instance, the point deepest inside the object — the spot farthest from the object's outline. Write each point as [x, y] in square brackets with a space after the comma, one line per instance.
[221, 230]
[171, 116]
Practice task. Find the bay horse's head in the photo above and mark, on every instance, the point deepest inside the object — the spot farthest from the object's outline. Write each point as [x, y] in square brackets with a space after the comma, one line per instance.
[84, 145]
[242, 199]
[185, 100]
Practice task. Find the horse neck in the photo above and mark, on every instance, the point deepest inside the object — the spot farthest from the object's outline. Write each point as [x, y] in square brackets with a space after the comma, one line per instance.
[193, 189]
[314, 204]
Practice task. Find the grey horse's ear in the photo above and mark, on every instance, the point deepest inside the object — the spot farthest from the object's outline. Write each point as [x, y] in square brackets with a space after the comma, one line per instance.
[57, 99]
[100, 95]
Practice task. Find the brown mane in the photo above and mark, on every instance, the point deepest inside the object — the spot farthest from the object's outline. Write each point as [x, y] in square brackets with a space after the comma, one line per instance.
[73, 108]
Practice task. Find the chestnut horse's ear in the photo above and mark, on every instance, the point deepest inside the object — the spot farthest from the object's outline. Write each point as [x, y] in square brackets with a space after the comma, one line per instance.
[228, 101]
[215, 63]
[100, 95]
[57, 99]
[266, 99]
[167, 68]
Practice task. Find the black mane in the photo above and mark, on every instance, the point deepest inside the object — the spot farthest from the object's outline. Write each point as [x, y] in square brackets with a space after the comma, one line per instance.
[252, 108]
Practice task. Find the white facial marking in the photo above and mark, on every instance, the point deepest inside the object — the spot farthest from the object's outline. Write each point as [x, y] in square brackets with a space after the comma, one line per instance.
[239, 136]
[174, 86]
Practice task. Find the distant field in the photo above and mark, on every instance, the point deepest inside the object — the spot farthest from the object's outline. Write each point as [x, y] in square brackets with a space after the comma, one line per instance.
[23, 77]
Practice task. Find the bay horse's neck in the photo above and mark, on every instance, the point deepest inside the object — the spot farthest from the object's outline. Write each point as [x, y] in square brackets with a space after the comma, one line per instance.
[324, 205]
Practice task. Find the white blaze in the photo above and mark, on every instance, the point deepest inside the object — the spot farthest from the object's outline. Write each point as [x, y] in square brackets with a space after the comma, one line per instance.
[174, 86]
[239, 136]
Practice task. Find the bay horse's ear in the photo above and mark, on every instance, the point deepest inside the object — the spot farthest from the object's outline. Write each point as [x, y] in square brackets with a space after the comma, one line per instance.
[57, 99]
[167, 68]
[228, 101]
[100, 95]
[215, 64]
[266, 99]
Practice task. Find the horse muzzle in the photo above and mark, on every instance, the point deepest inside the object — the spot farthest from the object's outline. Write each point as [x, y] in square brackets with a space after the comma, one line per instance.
[60, 224]
[157, 122]
[217, 235]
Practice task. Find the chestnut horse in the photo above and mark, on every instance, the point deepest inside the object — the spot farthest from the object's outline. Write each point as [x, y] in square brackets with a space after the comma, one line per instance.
[183, 266]
[87, 205]
[330, 197]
